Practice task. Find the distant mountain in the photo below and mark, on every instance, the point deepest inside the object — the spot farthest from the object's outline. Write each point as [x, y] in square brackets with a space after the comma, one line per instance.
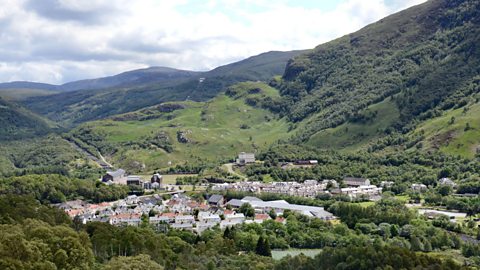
[129, 78]
[138, 89]
[28, 85]
[18, 123]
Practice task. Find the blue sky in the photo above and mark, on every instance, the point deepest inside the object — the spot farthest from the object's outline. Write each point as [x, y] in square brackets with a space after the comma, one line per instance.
[57, 41]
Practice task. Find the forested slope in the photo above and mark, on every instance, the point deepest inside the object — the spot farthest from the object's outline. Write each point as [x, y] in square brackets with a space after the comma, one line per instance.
[426, 58]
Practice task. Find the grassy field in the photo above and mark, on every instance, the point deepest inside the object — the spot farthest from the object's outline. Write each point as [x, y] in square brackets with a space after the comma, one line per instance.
[352, 136]
[452, 137]
[216, 130]
[279, 254]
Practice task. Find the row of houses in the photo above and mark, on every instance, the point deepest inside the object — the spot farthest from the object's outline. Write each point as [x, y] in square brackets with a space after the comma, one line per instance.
[356, 187]
[309, 188]
[182, 212]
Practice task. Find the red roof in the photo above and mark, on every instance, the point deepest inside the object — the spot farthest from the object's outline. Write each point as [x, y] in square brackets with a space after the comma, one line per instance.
[280, 219]
[262, 216]
[127, 215]
[172, 215]
[228, 212]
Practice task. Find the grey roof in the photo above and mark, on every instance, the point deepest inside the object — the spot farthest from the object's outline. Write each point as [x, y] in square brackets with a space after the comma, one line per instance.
[314, 210]
[117, 173]
[235, 202]
[250, 198]
[215, 198]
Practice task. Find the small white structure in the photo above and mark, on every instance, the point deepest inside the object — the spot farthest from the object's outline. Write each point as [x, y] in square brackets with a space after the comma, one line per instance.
[418, 187]
[446, 182]
[245, 158]
[232, 220]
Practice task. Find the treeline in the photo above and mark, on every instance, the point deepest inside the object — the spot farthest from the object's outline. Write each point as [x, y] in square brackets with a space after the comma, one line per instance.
[52, 188]
[403, 168]
[35, 236]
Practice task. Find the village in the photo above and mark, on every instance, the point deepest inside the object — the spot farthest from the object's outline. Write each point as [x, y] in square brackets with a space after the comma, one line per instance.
[183, 212]
[168, 206]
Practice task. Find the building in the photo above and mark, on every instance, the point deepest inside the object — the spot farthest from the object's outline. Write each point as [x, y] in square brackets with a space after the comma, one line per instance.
[207, 217]
[356, 182]
[419, 187]
[245, 158]
[354, 192]
[134, 180]
[446, 182]
[126, 219]
[216, 200]
[306, 162]
[280, 206]
[232, 220]
[156, 178]
[116, 176]
[386, 184]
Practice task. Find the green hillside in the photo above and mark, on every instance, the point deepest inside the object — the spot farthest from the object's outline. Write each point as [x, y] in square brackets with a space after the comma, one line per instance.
[426, 56]
[368, 125]
[18, 123]
[181, 132]
[72, 108]
[456, 132]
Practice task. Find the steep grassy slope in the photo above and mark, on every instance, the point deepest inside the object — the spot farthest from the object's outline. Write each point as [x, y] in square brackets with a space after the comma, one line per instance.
[186, 132]
[369, 125]
[17, 122]
[425, 56]
[79, 106]
[456, 132]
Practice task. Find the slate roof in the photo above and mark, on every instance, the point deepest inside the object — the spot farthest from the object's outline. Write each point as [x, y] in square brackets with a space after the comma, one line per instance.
[215, 198]
[117, 173]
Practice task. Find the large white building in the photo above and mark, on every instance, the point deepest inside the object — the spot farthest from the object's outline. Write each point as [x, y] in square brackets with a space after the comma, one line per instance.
[280, 206]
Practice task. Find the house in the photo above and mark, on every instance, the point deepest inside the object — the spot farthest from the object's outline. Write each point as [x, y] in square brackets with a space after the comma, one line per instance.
[418, 187]
[207, 220]
[386, 184]
[446, 182]
[232, 220]
[126, 219]
[215, 200]
[245, 158]
[356, 182]
[207, 217]
[184, 222]
[131, 199]
[280, 219]
[260, 218]
[156, 178]
[134, 180]
[116, 176]
[163, 218]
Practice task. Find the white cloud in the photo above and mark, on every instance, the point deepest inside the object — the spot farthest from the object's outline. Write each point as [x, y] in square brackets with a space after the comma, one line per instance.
[64, 40]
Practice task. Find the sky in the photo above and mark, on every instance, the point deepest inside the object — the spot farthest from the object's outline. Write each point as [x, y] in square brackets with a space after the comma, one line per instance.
[57, 41]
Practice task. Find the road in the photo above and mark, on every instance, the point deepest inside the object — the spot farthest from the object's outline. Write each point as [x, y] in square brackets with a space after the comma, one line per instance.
[230, 170]
[101, 162]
